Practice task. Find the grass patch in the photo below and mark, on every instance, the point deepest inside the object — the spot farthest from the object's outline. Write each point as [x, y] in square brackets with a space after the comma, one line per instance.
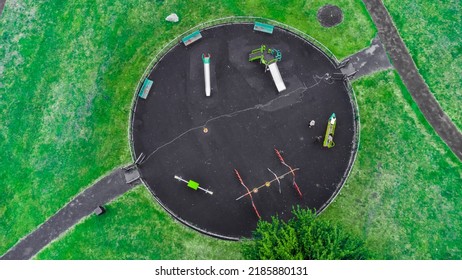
[353, 34]
[432, 31]
[135, 227]
[68, 71]
[403, 196]
[404, 192]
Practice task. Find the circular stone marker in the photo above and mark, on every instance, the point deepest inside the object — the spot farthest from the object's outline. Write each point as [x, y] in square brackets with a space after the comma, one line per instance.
[330, 15]
[246, 120]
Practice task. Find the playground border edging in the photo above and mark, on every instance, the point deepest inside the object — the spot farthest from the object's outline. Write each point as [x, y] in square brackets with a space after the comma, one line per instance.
[247, 20]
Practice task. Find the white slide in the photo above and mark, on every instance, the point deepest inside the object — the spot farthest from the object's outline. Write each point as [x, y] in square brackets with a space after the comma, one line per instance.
[273, 67]
[207, 78]
[206, 60]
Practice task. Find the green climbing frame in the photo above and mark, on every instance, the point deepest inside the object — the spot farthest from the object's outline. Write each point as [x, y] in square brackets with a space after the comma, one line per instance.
[276, 53]
[265, 55]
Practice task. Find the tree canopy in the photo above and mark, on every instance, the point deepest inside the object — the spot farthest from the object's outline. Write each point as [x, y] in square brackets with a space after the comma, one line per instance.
[303, 237]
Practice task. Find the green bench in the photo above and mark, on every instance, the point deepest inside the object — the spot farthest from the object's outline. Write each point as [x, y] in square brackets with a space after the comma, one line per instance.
[191, 38]
[263, 27]
[145, 89]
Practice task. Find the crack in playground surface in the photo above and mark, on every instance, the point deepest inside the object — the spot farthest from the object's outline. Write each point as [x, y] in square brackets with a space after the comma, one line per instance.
[274, 104]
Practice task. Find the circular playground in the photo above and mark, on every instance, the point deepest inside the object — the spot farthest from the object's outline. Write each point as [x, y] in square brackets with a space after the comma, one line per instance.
[241, 122]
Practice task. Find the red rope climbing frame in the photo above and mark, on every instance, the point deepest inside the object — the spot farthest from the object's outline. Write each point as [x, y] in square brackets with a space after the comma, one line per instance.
[281, 159]
[248, 191]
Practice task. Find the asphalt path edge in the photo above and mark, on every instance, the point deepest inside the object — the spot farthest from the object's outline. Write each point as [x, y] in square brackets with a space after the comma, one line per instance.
[413, 81]
[2, 5]
[103, 191]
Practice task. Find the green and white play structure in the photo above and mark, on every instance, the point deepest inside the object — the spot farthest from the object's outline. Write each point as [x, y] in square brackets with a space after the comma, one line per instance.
[269, 57]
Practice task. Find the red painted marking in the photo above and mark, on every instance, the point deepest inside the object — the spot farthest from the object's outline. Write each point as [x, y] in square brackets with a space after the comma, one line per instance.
[248, 191]
[279, 155]
[239, 177]
[256, 211]
[283, 162]
[298, 189]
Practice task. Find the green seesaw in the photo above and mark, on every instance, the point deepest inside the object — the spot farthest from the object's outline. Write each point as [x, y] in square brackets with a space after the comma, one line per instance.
[193, 185]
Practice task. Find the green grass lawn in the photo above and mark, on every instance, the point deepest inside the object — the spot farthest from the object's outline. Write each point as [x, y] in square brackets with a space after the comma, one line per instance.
[403, 194]
[69, 70]
[432, 31]
[68, 73]
[135, 227]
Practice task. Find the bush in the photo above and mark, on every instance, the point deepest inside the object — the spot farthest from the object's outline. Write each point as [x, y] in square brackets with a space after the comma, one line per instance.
[303, 237]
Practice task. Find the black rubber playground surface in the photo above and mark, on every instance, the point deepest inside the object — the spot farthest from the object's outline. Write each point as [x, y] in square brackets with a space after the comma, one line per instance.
[246, 120]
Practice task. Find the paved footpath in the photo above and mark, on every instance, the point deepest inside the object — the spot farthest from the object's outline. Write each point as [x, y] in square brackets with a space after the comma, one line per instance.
[403, 63]
[83, 205]
[367, 61]
[2, 5]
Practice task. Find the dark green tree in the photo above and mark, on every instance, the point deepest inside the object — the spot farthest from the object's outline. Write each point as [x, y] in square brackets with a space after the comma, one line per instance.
[303, 237]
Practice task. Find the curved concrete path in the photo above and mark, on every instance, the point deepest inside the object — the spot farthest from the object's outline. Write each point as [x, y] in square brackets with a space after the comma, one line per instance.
[415, 84]
[83, 205]
[2, 5]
